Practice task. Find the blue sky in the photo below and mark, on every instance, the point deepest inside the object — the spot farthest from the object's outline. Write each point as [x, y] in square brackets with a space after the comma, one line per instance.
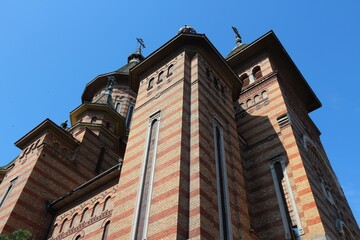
[49, 51]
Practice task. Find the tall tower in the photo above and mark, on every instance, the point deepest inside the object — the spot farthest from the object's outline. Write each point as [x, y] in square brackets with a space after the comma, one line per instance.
[182, 175]
[292, 190]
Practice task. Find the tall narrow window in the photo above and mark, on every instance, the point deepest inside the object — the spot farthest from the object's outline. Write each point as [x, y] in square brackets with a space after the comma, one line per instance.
[288, 210]
[64, 226]
[95, 209]
[85, 214]
[170, 70]
[118, 107]
[144, 198]
[7, 193]
[129, 115]
[161, 77]
[100, 160]
[106, 229]
[74, 220]
[151, 84]
[221, 181]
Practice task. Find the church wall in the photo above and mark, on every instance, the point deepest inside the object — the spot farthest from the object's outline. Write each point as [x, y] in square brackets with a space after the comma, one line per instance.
[86, 217]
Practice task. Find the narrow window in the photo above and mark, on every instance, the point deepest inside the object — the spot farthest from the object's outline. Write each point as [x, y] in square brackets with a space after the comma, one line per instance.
[63, 226]
[245, 79]
[118, 107]
[221, 181]
[129, 115]
[106, 229]
[144, 198]
[106, 203]
[170, 70]
[151, 84]
[78, 237]
[288, 210]
[74, 220]
[96, 206]
[85, 214]
[161, 77]
[93, 119]
[100, 160]
[216, 82]
[8, 190]
[257, 72]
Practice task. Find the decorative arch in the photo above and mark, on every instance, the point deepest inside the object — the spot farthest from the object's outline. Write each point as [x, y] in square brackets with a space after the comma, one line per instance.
[245, 79]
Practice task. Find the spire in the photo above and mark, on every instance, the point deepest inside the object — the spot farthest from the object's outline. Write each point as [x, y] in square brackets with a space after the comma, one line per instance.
[237, 37]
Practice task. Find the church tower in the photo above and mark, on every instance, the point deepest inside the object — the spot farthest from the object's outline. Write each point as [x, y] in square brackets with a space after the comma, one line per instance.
[292, 190]
[182, 175]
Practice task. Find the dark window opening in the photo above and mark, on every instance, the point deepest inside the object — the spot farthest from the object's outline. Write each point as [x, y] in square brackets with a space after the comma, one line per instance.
[257, 72]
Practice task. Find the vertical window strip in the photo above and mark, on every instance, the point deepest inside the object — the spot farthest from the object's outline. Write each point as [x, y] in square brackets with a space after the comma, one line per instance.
[129, 115]
[8, 190]
[144, 198]
[284, 195]
[106, 229]
[222, 186]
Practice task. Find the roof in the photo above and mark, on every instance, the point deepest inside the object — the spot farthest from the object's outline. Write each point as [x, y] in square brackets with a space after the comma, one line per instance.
[282, 62]
[43, 127]
[89, 187]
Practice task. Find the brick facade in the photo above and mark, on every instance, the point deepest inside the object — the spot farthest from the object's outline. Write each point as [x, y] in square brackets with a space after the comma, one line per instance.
[218, 149]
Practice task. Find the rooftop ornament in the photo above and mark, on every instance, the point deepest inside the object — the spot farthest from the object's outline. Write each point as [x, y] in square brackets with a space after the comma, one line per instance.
[237, 36]
[186, 29]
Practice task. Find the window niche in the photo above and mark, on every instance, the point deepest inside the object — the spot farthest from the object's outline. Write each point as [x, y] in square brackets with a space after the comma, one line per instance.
[256, 72]
[160, 77]
[150, 84]
[245, 79]
[170, 70]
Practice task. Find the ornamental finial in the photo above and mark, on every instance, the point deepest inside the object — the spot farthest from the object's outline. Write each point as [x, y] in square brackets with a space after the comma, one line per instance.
[237, 36]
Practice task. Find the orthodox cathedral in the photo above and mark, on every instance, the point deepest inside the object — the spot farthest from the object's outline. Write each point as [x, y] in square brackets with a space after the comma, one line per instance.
[183, 144]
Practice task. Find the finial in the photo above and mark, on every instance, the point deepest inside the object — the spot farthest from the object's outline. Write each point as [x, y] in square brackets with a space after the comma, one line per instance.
[141, 45]
[237, 36]
[186, 29]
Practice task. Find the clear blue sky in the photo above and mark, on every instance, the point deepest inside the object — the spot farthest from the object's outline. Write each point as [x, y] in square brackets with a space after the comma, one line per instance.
[49, 51]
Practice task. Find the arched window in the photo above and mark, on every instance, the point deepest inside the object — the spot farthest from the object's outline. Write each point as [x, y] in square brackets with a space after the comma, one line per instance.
[74, 220]
[257, 72]
[264, 95]
[170, 70]
[245, 79]
[78, 237]
[257, 98]
[55, 229]
[106, 229]
[106, 203]
[118, 106]
[107, 125]
[95, 209]
[63, 226]
[161, 77]
[249, 103]
[93, 119]
[151, 83]
[85, 214]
